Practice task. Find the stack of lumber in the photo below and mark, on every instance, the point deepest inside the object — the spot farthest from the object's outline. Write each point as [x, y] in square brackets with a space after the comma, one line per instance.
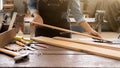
[93, 48]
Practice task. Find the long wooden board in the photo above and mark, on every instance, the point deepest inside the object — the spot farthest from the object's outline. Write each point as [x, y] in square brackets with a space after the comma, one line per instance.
[107, 46]
[6, 37]
[109, 53]
[70, 31]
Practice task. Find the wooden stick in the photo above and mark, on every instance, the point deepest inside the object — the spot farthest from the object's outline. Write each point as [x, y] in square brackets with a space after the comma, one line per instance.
[80, 47]
[89, 43]
[70, 31]
[8, 52]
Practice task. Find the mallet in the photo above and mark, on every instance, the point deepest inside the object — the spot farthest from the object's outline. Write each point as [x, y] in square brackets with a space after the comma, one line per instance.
[17, 57]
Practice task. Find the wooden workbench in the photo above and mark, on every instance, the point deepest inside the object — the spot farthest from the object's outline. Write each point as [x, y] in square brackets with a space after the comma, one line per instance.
[59, 57]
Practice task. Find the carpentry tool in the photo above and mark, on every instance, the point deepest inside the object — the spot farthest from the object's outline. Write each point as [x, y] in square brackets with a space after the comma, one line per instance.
[102, 45]
[69, 31]
[5, 38]
[13, 47]
[26, 46]
[108, 53]
[17, 57]
[30, 45]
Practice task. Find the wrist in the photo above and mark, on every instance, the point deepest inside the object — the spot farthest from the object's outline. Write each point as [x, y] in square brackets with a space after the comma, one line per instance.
[36, 14]
[86, 27]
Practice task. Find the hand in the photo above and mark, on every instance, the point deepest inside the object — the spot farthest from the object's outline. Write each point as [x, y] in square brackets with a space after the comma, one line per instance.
[94, 33]
[88, 29]
[37, 19]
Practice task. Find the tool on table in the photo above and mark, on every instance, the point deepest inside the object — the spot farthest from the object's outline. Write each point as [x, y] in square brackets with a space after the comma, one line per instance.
[70, 31]
[26, 46]
[17, 57]
[13, 47]
[20, 41]
[30, 45]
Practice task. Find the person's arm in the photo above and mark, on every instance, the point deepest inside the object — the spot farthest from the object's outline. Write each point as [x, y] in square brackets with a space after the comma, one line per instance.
[32, 6]
[77, 14]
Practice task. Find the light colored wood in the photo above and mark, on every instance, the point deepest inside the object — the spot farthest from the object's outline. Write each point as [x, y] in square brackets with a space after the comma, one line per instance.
[70, 31]
[8, 52]
[107, 46]
[12, 21]
[6, 37]
[80, 47]
[20, 43]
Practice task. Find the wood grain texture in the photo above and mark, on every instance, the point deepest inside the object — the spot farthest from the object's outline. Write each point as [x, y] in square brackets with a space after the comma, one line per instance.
[102, 45]
[6, 37]
[80, 47]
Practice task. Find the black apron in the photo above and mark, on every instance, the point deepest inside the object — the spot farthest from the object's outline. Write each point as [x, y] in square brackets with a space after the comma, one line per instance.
[53, 13]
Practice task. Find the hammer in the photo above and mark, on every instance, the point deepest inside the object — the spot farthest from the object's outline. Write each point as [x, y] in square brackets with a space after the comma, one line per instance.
[17, 57]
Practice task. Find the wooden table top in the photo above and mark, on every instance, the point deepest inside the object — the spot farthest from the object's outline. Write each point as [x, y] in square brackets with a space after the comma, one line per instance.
[59, 57]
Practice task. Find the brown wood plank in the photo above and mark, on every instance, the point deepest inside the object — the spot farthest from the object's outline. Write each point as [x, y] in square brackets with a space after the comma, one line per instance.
[6, 37]
[70, 31]
[80, 47]
[107, 46]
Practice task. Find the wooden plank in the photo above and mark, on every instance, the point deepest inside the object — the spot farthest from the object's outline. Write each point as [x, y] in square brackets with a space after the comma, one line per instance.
[70, 31]
[107, 46]
[6, 37]
[12, 21]
[80, 47]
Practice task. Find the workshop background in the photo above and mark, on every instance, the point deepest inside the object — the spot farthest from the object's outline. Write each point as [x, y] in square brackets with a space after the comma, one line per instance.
[111, 7]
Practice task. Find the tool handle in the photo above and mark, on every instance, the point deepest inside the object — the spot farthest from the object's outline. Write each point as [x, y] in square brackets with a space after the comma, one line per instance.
[20, 43]
[11, 53]
[70, 31]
